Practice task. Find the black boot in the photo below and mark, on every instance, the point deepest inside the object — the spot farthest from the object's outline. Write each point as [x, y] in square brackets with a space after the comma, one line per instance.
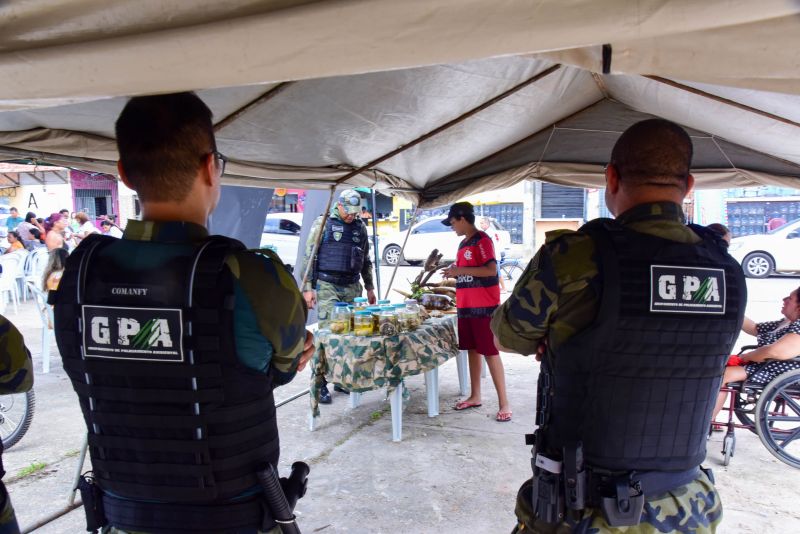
[324, 395]
[340, 389]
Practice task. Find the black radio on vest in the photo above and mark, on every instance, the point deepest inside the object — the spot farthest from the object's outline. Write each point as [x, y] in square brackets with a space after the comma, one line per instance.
[341, 253]
[624, 406]
[177, 425]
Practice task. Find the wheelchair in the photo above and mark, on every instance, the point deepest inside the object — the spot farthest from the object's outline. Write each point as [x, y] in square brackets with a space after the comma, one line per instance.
[771, 411]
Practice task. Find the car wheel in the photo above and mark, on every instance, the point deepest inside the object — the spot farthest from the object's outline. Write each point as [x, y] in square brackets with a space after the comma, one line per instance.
[758, 265]
[392, 255]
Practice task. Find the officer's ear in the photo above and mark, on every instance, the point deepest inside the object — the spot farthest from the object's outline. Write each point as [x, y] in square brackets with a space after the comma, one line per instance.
[612, 178]
[210, 172]
[689, 184]
[123, 176]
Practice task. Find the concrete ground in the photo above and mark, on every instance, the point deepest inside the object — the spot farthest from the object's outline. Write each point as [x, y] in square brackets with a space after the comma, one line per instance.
[458, 472]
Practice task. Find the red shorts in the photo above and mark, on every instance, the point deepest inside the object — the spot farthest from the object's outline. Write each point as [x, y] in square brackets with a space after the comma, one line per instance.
[475, 333]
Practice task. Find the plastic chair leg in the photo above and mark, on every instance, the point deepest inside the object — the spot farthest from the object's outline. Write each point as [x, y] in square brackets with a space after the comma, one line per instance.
[355, 400]
[45, 350]
[396, 402]
[432, 390]
[462, 362]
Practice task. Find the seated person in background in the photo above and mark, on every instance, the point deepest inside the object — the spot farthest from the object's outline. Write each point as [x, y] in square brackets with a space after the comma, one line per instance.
[111, 229]
[27, 227]
[54, 237]
[722, 230]
[54, 269]
[778, 344]
[14, 242]
[86, 226]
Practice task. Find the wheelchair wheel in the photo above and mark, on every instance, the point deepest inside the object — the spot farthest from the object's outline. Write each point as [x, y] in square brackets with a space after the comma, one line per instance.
[744, 408]
[728, 448]
[778, 418]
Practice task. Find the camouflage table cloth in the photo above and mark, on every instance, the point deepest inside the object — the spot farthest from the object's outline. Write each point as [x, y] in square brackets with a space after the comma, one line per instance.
[361, 364]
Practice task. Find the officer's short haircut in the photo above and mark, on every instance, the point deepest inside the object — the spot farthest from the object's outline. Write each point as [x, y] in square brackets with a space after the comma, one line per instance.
[654, 152]
[162, 142]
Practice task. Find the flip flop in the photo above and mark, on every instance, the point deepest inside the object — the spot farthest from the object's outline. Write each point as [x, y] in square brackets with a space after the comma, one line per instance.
[503, 417]
[464, 405]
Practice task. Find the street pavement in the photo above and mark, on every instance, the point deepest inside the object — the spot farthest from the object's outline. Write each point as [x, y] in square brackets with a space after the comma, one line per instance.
[458, 472]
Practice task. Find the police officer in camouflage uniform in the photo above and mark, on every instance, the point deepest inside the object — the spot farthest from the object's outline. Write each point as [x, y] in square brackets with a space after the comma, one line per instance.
[175, 340]
[16, 376]
[633, 320]
[342, 258]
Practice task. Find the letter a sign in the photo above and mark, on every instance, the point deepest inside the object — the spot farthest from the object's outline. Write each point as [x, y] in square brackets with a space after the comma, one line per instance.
[693, 290]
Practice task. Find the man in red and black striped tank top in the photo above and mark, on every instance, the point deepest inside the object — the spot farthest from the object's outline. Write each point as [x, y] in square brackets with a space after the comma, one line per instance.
[477, 296]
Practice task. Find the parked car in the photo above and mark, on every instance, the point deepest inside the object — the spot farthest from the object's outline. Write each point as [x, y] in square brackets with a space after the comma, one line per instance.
[432, 234]
[282, 234]
[777, 251]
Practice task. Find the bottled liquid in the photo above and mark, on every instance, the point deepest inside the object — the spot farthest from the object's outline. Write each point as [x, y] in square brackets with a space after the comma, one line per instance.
[362, 323]
[359, 303]
[375, 311]
[387, 322]
[409, 316]
[340, 319]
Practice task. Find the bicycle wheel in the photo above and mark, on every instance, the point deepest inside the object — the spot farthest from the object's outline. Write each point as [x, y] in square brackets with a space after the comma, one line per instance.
[16, 414]
[511, 272]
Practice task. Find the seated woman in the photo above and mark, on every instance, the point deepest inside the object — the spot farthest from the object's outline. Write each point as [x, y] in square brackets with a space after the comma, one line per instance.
[778, 344]
[14, 242]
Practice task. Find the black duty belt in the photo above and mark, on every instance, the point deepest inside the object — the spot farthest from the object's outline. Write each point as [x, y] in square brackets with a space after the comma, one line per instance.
[156, 518]
[651, 483]
[338, 279]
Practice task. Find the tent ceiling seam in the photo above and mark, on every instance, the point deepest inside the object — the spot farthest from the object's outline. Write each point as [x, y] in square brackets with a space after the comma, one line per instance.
[723, 100]
[546, 146]
[449, 124]
[509, 147]
[714, 139]
[271, 93]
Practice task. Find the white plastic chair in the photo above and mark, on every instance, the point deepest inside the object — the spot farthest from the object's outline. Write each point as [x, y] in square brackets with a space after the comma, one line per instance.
[35, 264]
[46, 315]
[23, 262]
[8, 281]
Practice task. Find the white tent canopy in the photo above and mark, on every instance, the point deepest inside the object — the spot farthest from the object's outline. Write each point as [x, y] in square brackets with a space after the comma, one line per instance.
[434, 99]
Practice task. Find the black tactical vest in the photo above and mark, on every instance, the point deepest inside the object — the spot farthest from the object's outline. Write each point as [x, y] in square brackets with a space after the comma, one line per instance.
[341, 252]
[638, 387]
[148, 344]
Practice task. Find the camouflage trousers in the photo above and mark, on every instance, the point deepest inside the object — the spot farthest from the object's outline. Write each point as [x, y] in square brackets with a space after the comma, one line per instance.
[328, 294]
[8, 521]
[695, 508]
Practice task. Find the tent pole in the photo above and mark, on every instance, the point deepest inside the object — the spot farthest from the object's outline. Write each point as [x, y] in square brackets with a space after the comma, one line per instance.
[396, 265]
[375, 243]
[317, 240]
[449, 124]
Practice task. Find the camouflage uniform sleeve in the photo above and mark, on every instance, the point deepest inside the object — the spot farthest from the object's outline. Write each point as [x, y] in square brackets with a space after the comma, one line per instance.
[279, 309]
[16, 366]
[555, 297]
[312, 236]
[366, 269]
[522, 321]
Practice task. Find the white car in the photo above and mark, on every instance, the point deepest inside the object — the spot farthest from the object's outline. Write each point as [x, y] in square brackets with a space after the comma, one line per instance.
[282, 234]
[432, 234]
[775, 252]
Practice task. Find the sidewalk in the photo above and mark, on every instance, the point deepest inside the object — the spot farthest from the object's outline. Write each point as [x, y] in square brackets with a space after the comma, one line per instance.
[458, 472]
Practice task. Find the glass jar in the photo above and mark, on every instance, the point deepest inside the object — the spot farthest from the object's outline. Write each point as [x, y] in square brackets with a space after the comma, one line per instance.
[362, 323]
[411, 314]
[340, 319]
[360, 303]
[387, 322]
[376, 314]
[384, 302]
